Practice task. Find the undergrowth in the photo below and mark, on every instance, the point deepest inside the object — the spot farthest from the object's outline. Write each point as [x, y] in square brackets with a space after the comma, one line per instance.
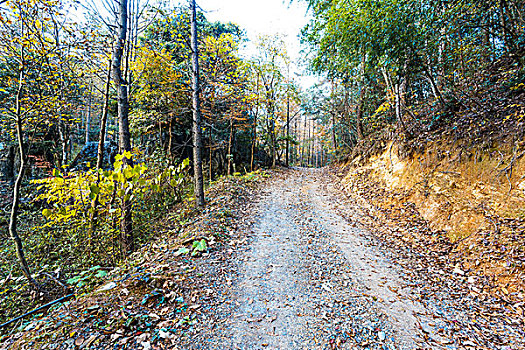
[65, 249]
[140, 284]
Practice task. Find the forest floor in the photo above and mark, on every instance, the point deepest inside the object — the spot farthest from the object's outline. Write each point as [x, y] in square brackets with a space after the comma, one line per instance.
[299, 267]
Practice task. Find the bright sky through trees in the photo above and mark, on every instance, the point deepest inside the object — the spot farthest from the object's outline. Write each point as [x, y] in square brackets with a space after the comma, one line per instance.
[256, 18]
[263, 17]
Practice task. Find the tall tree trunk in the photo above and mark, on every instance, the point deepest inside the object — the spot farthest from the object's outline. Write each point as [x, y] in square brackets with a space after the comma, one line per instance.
[398, 107]
[309, 146]
[230, 142]
[161, 137]
[304, 156]
[316, 147]
[273, 139]
[334, 139]
[13, 218]
[127, 47]
[103, 121]
[503, 24]
[88, 115]
[333, 112]
[69, 154]
[135, 35]
[126, 229]
[64, 140]
[274, 144]
[278, 152]
[389, 88]
[435, 89]
[81, 126]
[171, 142]
[294, 146]
[100, 154]
[197, 137]
[312, 145]
[346, 102]
[211, 155]
[360, 105]
[254, 136]
[9, 171]
[287, 130]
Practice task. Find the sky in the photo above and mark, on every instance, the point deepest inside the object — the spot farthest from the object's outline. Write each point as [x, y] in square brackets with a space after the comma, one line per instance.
[264, 17]
[261, 17]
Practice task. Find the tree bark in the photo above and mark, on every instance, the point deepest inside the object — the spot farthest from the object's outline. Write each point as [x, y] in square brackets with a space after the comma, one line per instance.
[435, 89]
[271, 125]
[315, 147]
[308, 147]
[503, 24]
[399, 111]
[287, 129]
[312, 145]
[274, 141]
[389, 88]
[103, 121]
[333, 112]
[64, 140]
[334, 138]
[126, 228]
[294, 145]
[13, 218]
[197, 132]
[254, 140]
[230, 142]
[100, 154]
[360, 105]
[171, 142]
[304, 159]
[10, 165]
[88, 115]
[211, 156]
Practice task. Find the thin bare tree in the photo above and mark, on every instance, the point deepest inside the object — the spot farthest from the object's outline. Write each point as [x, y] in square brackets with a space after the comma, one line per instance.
[126, 229]
[197, 132]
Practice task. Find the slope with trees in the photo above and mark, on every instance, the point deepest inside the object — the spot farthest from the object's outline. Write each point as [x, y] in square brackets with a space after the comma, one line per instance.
[426, 102]
[97, 124]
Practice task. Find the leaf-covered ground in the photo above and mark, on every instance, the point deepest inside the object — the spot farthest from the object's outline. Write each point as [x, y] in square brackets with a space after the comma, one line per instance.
[153, 299]
[290, 263]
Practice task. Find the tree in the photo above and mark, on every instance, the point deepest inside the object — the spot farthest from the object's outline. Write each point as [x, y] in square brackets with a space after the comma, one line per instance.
[271, 60]
[413, 64]
[159, 108]
[126, 234]
[36, 88]
[197, 132]
[225, 90]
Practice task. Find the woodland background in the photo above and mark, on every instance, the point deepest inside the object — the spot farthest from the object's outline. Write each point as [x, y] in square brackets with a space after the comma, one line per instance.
[439, 85]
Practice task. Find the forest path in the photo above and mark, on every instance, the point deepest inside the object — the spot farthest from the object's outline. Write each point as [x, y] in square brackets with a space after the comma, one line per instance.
[311, 279]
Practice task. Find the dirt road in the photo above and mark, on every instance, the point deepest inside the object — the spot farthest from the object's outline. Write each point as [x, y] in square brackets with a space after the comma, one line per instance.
[311, 279]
